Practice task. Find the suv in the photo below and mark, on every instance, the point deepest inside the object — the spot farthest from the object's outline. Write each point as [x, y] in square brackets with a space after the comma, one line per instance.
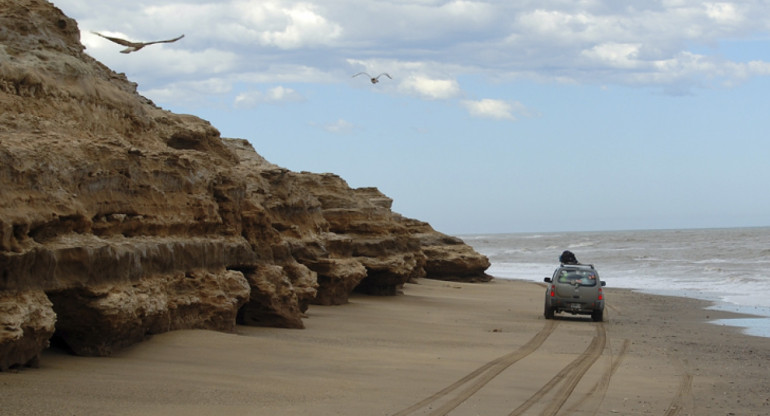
[576, 289]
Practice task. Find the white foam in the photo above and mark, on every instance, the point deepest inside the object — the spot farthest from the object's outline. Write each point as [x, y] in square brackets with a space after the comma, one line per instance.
[758, 327]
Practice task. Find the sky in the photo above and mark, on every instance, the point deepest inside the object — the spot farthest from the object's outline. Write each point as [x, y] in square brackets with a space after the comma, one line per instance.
[498, 116]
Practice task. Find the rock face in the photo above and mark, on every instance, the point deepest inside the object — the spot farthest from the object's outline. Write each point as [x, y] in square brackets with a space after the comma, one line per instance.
[119, 220]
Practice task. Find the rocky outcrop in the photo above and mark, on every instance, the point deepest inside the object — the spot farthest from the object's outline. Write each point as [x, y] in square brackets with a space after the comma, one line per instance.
[447, 257]
[119, 220]
[26, 324]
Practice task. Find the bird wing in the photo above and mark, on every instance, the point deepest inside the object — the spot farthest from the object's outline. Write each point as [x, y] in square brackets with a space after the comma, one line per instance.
[117, 40]
[386, 74]
[361, 73]
[164, 41]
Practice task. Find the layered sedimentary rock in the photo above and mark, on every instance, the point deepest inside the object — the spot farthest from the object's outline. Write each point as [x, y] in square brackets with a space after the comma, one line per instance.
[119, 220]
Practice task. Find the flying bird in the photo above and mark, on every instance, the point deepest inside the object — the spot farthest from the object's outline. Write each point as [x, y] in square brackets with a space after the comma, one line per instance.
[371, 78]
[135, 46]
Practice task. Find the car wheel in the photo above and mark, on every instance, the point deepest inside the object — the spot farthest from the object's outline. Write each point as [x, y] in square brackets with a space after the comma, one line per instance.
[548, 312]
[598, 316]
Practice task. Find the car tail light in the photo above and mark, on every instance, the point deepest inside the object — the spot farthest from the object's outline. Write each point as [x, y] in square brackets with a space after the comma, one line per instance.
[601, 295]
[553, 288]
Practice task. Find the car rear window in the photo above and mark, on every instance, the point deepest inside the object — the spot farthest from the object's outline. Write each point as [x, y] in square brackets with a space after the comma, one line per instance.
[578, 277]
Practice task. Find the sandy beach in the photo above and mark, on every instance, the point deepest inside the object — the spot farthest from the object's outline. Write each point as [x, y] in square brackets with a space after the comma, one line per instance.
[440, 348]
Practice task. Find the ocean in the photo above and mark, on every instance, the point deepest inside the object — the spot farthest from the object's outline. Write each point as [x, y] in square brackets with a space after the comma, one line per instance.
[728, 266]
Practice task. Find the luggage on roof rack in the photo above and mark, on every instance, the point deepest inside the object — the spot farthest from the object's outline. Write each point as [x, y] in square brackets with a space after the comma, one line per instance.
[568, 257]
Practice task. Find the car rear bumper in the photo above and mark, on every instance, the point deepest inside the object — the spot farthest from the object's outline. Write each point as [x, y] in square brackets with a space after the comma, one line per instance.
[568, 305]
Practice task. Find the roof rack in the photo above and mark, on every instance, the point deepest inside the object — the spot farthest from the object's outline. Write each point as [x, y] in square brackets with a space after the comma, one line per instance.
[579, 264]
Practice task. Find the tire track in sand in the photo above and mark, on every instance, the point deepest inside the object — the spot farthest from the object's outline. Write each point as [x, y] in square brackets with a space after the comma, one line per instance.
[483, 375]
[570, 375]
[683, 393]
[594, 398]
[598, 391]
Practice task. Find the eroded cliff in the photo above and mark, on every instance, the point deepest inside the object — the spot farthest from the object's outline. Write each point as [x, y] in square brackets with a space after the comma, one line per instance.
[119, 219]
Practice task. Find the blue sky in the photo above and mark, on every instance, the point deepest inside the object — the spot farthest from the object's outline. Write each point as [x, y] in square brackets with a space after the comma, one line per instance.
[501, 116]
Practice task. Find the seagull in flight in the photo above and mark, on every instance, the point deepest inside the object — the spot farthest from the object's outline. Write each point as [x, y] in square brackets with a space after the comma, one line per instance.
[135, 46]
[371, 78]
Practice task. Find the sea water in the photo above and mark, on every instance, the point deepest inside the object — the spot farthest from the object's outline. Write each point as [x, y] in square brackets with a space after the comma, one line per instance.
[728, 266]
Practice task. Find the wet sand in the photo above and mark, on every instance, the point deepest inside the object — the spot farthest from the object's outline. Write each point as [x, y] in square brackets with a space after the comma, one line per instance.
[440, 348]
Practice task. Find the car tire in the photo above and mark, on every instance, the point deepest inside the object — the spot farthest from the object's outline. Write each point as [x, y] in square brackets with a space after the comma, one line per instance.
[548, 312]
[598, 316]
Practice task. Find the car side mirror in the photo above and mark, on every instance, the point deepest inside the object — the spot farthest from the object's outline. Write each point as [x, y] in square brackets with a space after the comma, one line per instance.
[548, 280]
[604, 283]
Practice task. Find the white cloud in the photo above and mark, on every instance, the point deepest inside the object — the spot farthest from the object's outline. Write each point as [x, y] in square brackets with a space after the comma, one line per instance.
[304, 26]
[373, 23]
[276, 95]
[723, 13]
[755, 68]
[276, 23]
[562, 27]
[432, 89]
[338, 127]
[616, 55]
[494, 109]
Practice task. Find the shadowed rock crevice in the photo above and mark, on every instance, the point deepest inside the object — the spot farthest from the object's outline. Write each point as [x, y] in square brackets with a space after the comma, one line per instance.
[100, 319]
[119, 219]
